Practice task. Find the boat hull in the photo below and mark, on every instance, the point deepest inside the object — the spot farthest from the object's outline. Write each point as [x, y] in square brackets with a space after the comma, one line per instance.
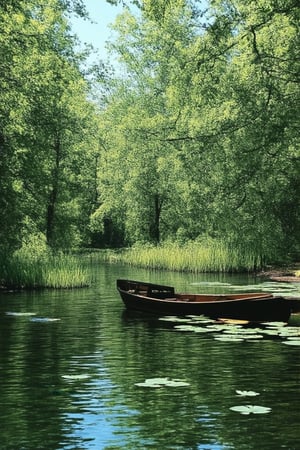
[260, 309]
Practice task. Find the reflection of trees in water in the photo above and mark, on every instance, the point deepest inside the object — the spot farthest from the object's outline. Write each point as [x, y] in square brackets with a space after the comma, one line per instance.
[34, 356]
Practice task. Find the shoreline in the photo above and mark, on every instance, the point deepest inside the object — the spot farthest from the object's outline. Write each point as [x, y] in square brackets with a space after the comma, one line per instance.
[286, 275]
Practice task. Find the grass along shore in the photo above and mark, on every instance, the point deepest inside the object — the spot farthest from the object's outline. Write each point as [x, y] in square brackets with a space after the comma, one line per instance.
[24, 271]
[35, 267]
[191, 257]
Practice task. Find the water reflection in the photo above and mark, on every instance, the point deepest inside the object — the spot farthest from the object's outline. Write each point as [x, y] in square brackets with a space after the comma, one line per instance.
[71, 384]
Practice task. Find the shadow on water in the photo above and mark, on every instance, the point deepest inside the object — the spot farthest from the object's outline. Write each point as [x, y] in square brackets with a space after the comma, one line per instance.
[71, 383]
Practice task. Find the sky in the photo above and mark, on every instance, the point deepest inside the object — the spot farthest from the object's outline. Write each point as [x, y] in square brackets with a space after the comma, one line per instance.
[102, 13]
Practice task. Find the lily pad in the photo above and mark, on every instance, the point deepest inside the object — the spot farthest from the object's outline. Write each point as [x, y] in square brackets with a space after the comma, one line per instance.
[248, 287]
[184, 327]
[177, 383]
[162, 382]
[199, 317]
[200, 321]
[290, 342]
[173, 319]
[19, 314]
[290, 331]
[252, 336]
[247, 393]
[218, 327]
[274, 324]
[148, 385]
[202, 330]
[229, 338]
[44, 319]
[82, 376]
[251, 409]
[233, 329]
[271, 332]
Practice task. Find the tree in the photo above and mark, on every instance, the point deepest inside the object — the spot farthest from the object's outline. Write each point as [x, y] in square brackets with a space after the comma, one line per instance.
[48, 127]
[214, 101]
[140, 118]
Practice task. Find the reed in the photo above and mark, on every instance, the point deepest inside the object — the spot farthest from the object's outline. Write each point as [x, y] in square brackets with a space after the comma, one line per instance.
[43, 271]
[213, 256]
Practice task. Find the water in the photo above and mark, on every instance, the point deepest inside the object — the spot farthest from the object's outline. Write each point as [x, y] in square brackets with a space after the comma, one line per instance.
[71, 383]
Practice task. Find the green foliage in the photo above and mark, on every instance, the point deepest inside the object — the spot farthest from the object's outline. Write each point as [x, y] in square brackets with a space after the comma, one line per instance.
[200, 134]
[48, 127]
[195, 135]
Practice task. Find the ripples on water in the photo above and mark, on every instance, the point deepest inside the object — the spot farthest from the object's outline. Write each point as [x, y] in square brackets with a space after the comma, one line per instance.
[71, 384]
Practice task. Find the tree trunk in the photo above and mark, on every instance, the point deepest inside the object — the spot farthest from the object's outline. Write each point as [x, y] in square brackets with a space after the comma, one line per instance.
[53, 193]
[155, 225]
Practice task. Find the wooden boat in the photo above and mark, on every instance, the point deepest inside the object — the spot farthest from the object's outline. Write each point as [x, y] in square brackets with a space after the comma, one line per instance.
[158, 299]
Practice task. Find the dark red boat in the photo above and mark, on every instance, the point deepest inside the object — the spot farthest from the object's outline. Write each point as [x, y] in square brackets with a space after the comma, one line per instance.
[159, 299]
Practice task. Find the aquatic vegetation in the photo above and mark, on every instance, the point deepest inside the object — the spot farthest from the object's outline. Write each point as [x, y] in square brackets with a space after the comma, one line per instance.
[162, 382]
[212, 256]
[251, 409]
[46, 270]
[172, 319]
[78, 377]
[44, 319]
[290, 342]
[229, 338]
[20, 314]
[247, 393]
[236, 332]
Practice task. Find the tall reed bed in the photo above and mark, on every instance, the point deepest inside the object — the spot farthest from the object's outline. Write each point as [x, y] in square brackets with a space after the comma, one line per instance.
[43, 271]
[193, 257]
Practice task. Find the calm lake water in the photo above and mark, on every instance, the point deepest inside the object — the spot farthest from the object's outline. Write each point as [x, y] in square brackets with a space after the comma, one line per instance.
[71, 384]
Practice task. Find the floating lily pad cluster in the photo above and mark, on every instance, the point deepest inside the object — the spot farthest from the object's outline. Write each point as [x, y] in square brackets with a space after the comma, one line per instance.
[278, 288]
[167, 382]
[249, 409]
[235, 331]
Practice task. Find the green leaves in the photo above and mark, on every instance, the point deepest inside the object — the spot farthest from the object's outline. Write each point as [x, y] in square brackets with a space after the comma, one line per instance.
[206, 124]
[198, 128]
[48, 127]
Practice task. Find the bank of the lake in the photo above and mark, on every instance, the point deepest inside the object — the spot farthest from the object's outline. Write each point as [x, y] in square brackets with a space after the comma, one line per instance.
[34, 268]
[211, 257]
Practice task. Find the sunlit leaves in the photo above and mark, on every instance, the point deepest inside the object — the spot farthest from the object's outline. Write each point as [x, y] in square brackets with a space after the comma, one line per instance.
[43, 101]
[203, 119]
